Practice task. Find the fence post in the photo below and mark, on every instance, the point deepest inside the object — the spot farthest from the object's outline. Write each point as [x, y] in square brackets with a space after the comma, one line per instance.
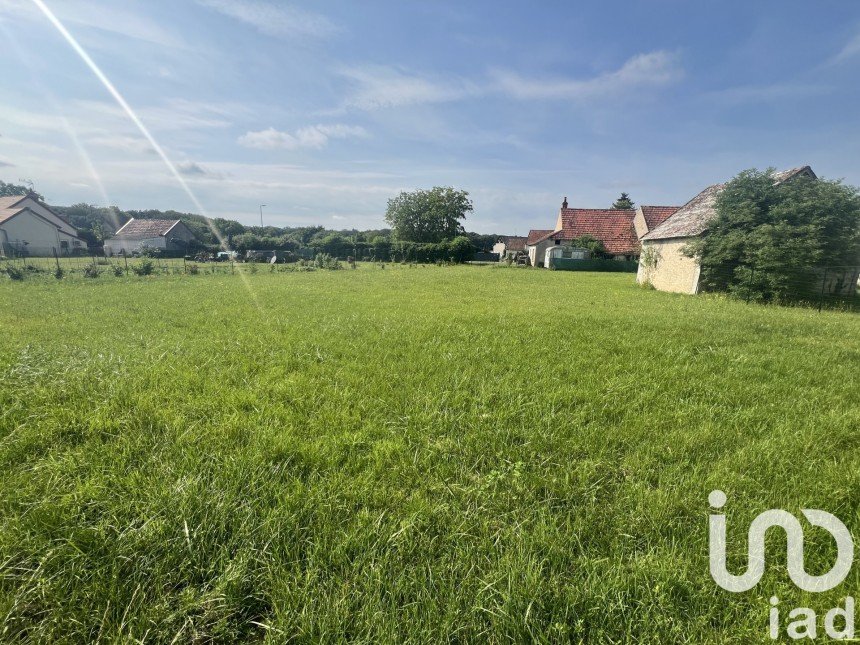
[821, 295]
[56, 259]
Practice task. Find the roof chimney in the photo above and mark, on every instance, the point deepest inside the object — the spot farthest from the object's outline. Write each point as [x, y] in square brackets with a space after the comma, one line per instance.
[564, 203]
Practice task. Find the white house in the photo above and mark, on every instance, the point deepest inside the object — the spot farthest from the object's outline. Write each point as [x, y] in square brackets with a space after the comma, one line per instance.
[29, 227]
[510, 246]
[161, 234]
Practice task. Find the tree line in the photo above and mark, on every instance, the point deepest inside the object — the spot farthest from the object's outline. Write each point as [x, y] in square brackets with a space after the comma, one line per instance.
[430, 229]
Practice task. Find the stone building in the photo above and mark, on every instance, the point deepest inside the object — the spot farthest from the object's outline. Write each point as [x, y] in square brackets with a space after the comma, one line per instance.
[663, 262]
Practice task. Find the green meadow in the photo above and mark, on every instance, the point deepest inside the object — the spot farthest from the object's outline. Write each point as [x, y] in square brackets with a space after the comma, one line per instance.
[408, 455]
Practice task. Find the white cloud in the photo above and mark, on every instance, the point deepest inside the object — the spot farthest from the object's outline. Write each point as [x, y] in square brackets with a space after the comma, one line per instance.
[315, 136]
[274, 19]
[170, 115]
[121, 142]
[743, 94]
[378, 86]
[850, 50]
[654, 69]
[101, 16]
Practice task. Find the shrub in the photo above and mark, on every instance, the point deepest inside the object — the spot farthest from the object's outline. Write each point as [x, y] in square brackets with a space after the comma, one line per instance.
[149, 252]
[59, 273]
[326, 261]
[193, 269]
[253, 268]
[92, 271]
[117, 271]
[14, 273]
[144, 267]
[594, 246]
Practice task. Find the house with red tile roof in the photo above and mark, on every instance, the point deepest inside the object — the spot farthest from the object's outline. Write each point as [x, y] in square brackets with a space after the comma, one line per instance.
[28, 226]
[648, 218]
[161, 234]
[537, 234]
[615, 228]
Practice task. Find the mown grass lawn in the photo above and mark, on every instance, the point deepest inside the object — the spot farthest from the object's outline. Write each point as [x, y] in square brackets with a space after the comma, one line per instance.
[458, 454]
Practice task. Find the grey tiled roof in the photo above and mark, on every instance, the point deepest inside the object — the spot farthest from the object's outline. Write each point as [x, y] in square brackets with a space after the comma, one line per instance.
[141, 229]
[694, 217]
[515, 243]
[691, 219]
[10, 201]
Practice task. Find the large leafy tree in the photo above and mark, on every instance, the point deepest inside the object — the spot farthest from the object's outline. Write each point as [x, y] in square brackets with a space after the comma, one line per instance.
[771, 240]
[428, 215]
[623, 202]
[227, 227]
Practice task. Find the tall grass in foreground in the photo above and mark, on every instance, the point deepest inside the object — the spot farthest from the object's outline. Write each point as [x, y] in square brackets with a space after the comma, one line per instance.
[408, 455]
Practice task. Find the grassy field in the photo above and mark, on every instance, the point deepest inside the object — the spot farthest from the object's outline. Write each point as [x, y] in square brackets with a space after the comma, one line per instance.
[415, 454]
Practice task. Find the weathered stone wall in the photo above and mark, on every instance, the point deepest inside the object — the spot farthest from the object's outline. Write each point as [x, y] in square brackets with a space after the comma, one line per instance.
[663, 264]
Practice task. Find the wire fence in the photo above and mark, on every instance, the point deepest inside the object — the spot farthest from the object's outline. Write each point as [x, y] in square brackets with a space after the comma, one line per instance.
[118, 264]
[833, 287]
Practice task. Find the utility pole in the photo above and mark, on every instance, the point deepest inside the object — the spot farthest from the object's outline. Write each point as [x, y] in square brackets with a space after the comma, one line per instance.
[261, 216]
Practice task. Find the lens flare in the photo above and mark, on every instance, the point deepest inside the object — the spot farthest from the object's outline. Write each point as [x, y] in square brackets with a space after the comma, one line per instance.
[109, 86]
[51, 98]
[122, 103]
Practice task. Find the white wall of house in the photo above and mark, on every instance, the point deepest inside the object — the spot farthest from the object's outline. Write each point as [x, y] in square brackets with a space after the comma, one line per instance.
[118, 245]
[639, 223]
[180, 232]
[30, 234]
[67, 232]
[664, 265]
[537, 252]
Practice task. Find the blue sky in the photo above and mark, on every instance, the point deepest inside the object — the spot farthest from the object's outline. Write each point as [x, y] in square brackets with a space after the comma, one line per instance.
[324, 110]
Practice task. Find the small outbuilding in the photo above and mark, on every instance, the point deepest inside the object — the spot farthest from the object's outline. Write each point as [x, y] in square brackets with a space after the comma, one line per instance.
[536, 244]
[171, 236]
[510, 247]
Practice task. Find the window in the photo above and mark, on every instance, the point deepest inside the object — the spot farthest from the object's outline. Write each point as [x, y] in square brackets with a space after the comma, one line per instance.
[64, 245]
